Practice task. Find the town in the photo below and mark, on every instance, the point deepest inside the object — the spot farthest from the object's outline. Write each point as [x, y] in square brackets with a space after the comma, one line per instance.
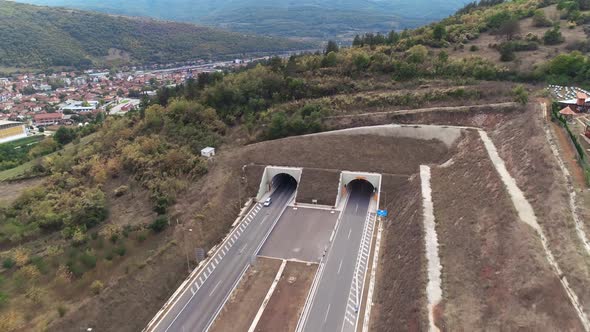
[37, 100]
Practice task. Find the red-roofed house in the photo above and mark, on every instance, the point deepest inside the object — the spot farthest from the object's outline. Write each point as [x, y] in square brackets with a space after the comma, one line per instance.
[46, 119]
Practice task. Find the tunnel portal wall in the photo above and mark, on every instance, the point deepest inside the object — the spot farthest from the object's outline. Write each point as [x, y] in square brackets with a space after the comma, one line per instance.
[270, 172]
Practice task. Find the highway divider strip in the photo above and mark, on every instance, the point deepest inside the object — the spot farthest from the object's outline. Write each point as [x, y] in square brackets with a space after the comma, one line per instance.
[181, 290]
[268, 296]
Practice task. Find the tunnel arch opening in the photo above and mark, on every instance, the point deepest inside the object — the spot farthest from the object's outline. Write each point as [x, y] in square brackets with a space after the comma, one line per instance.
[361, 185]
[283, 180]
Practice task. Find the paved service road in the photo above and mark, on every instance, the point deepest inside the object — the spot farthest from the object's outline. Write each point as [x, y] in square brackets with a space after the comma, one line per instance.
[198, 306]
[332, 308]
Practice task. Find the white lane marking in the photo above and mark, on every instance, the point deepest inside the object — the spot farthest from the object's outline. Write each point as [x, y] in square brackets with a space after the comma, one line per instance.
[208, 269]
[223, 251]
[192, 291]
[349, 232]
[339, 266]
[327, 311]
[201, 279]
[357, 208]
[233, 241]
[235, 237]
[214, 288]
[216, 262]
[227, 247]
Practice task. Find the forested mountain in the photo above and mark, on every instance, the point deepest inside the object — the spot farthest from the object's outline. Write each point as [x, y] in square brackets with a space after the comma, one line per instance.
[306, 18]
[36, 36]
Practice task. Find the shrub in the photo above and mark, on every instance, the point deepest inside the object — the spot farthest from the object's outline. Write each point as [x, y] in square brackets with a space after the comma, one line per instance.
[520, 94]
[141, 237]
[3, 299]
[61, 310]
[8, 263]
[114, 237]
[88, 260]
[540, 20]
[159, 224]
[553, 36]
[121, 250]
[96, 287]
[473, 48]
[109, 256]
[75, 269]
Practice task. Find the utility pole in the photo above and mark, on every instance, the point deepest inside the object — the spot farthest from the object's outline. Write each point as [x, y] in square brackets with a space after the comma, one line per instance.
[188, 265]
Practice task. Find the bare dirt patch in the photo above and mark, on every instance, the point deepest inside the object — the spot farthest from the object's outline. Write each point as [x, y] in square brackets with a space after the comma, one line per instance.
[522, 144]
[343, 152]
[286, 303]
[495, 275]
[240, 309]
[318, 184]
[10, 191]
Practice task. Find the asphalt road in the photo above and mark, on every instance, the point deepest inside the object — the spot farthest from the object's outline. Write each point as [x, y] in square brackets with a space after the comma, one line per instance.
[198, 305]
[332, 308]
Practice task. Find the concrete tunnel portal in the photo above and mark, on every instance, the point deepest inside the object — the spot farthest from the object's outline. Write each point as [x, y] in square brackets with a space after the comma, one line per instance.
[277, 176]
[368, 183]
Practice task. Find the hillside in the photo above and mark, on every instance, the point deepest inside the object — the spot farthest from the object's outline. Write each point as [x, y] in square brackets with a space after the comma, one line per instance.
[102, 229]
[303, 19]
[32, 36]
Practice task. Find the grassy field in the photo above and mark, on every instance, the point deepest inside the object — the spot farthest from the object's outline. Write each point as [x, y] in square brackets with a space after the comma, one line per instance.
[18, 171]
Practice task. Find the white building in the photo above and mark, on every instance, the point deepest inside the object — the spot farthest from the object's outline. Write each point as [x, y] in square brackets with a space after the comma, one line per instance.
[208, 152]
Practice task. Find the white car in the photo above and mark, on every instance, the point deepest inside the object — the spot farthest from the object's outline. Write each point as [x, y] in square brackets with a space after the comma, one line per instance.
[267, 202]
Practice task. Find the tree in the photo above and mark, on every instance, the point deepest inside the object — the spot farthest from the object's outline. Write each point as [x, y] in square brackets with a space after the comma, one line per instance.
[331, 47]
[357, 41]
[439, 32]
[509, 28]
[392, 37]
[64, 135]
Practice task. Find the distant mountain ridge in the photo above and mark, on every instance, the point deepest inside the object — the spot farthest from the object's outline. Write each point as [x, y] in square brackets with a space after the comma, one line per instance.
[318, 19]
[33, 36]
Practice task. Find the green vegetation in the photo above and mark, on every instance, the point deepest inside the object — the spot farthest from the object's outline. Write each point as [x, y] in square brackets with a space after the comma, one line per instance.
[17, 152]
[32, 36]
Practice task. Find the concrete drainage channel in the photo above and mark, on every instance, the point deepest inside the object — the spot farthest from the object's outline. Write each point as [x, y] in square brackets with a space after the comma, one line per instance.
[433, 288]
[527, 215]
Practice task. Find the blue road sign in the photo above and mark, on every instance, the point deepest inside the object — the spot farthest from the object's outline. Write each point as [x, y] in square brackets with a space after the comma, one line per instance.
[382, 213]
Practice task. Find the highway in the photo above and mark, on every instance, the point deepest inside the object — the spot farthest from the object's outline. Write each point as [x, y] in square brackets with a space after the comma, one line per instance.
[198, 306]
[334, 302]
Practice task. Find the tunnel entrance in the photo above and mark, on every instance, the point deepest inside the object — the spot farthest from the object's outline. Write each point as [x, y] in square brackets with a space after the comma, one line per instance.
[278, 178]
[365, 183]
[360, 186]
[283, 181]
